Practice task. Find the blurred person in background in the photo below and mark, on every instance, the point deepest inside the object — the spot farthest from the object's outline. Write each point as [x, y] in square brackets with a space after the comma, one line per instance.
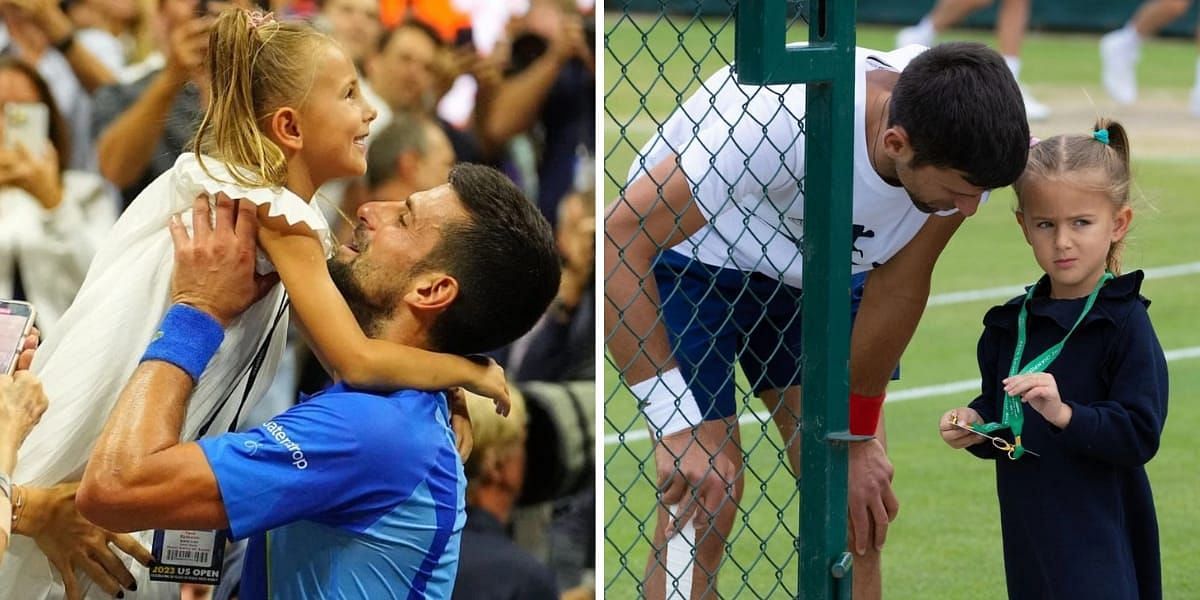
[52, 219]
[548, 93]
[144, 125]
[491, 566]
[120, 33]
[404, 76]
[40, 33]
[411, 154]
[1012, 19]
[1121, 50]
[352, 23]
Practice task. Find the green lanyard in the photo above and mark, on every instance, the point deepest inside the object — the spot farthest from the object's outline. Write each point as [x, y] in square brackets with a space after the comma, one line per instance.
[1013, 416]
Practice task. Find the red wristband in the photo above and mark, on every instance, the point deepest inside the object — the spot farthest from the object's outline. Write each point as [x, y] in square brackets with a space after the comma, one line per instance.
[864, 413]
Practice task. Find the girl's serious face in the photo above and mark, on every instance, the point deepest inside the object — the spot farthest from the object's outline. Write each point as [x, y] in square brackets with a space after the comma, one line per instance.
[1071, 224]
[335, 119]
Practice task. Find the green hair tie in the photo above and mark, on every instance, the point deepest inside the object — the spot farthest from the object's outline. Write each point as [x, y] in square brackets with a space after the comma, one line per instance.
[1101, 136]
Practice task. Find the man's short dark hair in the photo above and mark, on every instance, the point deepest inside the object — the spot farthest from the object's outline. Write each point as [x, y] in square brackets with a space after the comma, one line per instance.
[504, 258]
[962, 109]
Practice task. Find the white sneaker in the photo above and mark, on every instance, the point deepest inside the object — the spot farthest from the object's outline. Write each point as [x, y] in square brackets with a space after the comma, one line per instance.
[1034, 110]
[1194, 103]
[916, 34]
[1119, 54]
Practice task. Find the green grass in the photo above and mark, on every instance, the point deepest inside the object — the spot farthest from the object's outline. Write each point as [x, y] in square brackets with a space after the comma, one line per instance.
[946, 542]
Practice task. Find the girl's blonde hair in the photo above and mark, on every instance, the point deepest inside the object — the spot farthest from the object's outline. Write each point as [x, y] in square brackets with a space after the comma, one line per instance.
[257, 65]
[1063, 157]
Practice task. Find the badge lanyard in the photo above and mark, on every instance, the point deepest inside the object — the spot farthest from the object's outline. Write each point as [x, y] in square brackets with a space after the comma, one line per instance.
[1013, 416]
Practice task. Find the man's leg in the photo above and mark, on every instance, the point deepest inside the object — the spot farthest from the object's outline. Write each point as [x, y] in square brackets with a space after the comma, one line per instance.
[945, 14]
[785, 412]
[1011, 22]
[697, 557]
[699, 470]
[868, 568]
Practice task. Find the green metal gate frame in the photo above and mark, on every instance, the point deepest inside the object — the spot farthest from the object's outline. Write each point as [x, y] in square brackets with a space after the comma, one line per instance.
[826, 66]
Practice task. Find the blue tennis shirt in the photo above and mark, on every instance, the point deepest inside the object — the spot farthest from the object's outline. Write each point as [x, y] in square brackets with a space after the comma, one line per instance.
[348, 494]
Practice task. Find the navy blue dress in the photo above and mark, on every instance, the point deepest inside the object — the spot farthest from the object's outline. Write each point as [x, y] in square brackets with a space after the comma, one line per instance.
[1079, 521]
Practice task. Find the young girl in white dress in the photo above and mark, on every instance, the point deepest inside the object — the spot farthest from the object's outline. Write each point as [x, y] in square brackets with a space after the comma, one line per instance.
[285, 116]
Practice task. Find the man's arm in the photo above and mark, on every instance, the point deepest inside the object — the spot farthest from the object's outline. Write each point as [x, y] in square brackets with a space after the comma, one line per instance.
[657, 212]
[892, 304]
[139, 475]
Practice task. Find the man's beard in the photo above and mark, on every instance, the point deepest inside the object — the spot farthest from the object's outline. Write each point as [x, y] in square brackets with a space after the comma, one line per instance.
[369, 314]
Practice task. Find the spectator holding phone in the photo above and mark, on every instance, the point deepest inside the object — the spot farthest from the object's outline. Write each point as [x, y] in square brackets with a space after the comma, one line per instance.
[48, 515]
[40, 33]
[52, 219]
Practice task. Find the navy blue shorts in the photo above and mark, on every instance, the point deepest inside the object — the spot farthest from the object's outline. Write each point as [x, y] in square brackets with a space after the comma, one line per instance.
[716, 316]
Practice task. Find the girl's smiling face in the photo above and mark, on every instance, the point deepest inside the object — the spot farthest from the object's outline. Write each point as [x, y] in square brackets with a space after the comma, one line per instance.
[1071, 223]
[335, 118]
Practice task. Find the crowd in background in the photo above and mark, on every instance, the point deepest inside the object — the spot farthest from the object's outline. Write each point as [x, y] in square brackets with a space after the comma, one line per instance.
[509, 84]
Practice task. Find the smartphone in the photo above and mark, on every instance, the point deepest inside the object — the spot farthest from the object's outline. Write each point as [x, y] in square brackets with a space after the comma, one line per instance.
[16, 319]
[27, 124]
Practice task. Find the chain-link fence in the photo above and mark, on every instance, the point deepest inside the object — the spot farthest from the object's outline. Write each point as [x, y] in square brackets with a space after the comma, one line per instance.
[730, 311]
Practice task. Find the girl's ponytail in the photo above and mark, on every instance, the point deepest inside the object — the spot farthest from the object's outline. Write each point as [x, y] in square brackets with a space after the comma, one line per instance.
[256, 66]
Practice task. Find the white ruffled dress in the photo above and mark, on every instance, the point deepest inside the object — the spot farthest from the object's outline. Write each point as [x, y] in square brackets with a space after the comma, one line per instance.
[104, 333]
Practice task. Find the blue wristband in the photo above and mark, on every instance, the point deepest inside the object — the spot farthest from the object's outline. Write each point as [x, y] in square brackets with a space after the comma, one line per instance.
[187, 338]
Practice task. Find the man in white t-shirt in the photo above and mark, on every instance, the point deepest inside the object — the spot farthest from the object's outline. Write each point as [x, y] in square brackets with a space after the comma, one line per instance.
[711, 224]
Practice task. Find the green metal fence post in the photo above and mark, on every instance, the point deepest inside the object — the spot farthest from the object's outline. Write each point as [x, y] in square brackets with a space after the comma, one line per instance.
[826, 65]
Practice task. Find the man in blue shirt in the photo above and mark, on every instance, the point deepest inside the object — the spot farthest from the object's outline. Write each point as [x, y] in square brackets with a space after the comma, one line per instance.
[351, 493]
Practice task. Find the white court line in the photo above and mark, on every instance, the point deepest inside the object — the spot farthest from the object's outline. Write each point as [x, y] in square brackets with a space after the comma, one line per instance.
[929, 391]
[1008, 291]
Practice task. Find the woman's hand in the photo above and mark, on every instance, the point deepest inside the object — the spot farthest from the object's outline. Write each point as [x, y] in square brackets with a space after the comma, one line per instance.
[37, 175]
[48, 515]
[22, 403]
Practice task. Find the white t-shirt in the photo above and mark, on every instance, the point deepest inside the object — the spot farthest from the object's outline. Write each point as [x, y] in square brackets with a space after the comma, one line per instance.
[102, 336]
[747, 182]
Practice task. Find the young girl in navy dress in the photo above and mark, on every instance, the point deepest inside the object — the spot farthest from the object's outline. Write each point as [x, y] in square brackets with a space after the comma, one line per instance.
[1087, 390]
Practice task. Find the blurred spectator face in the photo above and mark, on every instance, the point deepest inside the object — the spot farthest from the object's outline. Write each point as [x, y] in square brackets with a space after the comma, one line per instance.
[355, 25]
[177, 12]
[510, 472]
[402, 74]
[434, 168]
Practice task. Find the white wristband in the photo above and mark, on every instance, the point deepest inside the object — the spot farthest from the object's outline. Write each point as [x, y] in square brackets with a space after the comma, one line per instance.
[667, 403]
